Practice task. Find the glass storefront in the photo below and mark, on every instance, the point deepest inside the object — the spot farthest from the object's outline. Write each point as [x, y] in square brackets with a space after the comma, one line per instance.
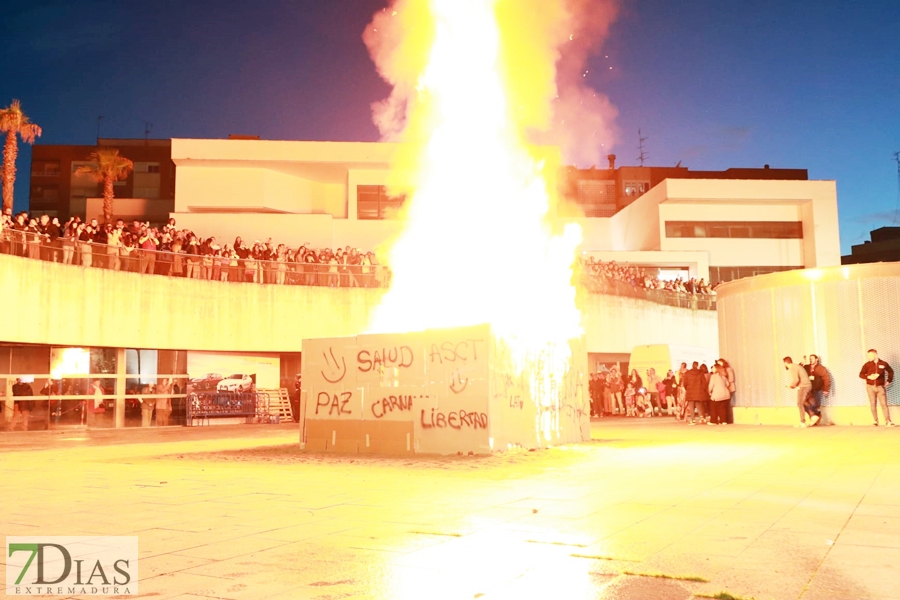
[63, 387]
[44, 387]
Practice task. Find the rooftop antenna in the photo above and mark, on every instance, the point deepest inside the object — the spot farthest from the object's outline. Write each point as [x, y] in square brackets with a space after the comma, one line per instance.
[99, 118]
[643, 154]
[147, 127]
[897, 210]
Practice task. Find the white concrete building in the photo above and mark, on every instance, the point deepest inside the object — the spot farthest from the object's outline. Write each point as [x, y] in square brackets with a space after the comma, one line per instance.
[718, 226]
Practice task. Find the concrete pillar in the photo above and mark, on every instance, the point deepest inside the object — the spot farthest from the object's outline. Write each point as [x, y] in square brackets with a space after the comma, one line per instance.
[120, 387]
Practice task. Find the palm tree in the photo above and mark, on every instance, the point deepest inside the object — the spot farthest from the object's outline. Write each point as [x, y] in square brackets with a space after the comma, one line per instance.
[107, 167]
[14, 122]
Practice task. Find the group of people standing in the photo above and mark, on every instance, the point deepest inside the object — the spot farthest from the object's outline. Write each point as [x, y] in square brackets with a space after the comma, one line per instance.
[140, 248]
[811, 382]
[679, 394]
[700, 395]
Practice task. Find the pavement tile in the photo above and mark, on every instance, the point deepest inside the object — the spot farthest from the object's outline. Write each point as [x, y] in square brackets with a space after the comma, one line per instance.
[753, 509]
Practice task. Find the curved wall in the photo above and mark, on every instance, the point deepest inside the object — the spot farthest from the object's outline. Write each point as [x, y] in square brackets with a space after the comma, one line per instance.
[837, 313]
[55, 304]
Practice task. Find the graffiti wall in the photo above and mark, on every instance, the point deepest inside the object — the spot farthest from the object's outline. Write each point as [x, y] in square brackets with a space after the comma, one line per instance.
[436, 392]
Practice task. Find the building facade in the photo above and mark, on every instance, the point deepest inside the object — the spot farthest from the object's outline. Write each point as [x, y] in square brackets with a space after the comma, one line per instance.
[837, 313]
[148, 194]
[718, 226]
[883, 246]
[75, 325]
[604, 192]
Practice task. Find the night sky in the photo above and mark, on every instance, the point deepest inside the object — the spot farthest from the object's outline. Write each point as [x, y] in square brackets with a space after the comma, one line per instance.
[713, 84]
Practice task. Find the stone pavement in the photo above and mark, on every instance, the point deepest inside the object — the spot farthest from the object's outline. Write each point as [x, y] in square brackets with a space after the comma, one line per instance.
[648, 509]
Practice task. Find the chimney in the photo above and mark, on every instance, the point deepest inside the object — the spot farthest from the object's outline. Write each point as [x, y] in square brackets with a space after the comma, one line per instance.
[612, 161]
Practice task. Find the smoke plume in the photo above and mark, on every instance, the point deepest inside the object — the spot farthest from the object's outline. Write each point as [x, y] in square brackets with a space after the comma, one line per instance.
[550, 40]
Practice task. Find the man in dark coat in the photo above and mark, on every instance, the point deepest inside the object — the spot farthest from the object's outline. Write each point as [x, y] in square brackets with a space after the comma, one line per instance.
[694, 388]
[821, 386]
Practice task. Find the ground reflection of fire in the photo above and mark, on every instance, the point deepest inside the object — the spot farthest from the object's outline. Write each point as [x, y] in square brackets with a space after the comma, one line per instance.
[478, 246]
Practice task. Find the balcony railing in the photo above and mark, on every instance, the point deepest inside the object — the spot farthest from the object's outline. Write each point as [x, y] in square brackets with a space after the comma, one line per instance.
[236, 270]
[600, 284]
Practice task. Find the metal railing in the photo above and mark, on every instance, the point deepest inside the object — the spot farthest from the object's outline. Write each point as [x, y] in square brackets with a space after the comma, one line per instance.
[601, 284]
[191, 266]
[202, 406]
[213, 268]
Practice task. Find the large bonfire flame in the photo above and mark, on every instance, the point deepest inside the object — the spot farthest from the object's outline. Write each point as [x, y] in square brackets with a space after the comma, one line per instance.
[472, 79]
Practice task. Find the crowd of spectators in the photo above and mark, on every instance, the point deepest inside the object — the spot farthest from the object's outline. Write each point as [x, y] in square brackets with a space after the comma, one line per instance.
[138, 247]
[638, 278]
[700, 394]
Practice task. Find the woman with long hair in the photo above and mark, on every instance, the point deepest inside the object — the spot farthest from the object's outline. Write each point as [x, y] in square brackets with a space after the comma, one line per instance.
[729, 377]
[719, 395]
[616, 385]
[670, 387]
[638, 384]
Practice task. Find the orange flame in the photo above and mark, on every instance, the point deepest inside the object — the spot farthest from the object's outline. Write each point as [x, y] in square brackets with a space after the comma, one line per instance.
[473, 78]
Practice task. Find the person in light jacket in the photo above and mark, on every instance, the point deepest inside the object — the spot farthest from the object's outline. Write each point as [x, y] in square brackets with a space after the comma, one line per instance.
[719, 396]
[798, 381]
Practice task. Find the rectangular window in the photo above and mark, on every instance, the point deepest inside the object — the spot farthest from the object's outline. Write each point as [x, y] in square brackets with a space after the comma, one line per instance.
[735, 229]
[45, 168]
[373, 203]
[146, 167]
[44, 193]
[722, 274]
[633, 189]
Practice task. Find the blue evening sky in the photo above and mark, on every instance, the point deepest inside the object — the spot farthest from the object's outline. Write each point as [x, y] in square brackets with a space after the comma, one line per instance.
[739, 83]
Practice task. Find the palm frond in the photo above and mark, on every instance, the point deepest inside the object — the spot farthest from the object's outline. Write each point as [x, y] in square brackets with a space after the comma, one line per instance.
[12, 119]
[29, 131]
[106, 163]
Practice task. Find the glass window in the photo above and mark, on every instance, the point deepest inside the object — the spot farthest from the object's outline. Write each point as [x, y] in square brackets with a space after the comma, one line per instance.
[720, 274]
[103, 360]
[735, 229]
[636, 188]
[373, 203]
[45, 168]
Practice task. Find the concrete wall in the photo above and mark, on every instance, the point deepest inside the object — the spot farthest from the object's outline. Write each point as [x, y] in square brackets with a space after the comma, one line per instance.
[641, 225]
[637, 226]
[226, 179]
[437, 392]
[837, 313]
[130, 208]
[56, 304]
[616, 325]
[814, 203]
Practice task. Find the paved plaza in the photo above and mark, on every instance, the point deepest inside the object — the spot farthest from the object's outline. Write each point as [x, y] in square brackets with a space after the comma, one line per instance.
[648, 509]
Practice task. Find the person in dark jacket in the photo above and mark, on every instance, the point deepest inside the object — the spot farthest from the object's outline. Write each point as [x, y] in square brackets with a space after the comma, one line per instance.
[21, 408]
[594, 389]
[695, 393]
[878, 375]
[821, 385]
[671, 392]
[637, 384]
[703, 407]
